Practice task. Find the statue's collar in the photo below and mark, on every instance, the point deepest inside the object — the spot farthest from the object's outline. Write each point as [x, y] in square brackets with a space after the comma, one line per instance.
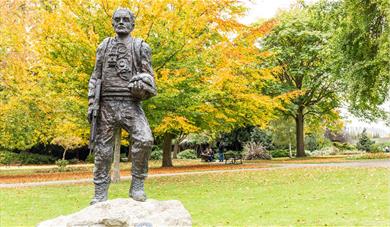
[117, 40]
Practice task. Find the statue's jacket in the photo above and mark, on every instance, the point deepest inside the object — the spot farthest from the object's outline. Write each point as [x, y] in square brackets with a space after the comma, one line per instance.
[116, 63]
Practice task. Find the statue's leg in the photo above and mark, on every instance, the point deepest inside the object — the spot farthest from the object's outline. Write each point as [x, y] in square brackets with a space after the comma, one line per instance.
[103, 153]
[138, 127]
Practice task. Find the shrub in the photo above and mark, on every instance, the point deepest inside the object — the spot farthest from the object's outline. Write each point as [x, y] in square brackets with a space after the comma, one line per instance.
[8, 158]
[124, 157]
[344, 146]
[255, 151]
[62, 164]
[156, 155]
[281, 153]
[90, 158]
[187, 154]
[311, 142]
[382, 146]
[24, 158]
[370, 156]
[74, 161]
[28, 158]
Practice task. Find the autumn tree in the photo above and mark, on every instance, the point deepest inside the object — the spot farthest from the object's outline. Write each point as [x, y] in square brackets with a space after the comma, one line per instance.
[298, 48]
[204, 63]
[26, 104]
[208, 82]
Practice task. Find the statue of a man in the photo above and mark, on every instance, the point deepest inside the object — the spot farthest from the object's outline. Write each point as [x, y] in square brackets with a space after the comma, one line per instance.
[121, 79]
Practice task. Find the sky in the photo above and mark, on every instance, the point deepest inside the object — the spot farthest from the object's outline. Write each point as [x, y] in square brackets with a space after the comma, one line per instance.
[269, 8]
[263, 9]
[266, 8]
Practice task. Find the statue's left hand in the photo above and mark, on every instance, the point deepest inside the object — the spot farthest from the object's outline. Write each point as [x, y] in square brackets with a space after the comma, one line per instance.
[140, 87]
[137, 86]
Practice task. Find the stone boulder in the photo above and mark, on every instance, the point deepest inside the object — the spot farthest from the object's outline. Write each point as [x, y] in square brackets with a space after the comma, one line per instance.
[126, 212]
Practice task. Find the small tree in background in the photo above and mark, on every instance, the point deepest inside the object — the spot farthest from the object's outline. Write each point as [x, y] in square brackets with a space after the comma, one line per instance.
[68, 136]
[364, 142]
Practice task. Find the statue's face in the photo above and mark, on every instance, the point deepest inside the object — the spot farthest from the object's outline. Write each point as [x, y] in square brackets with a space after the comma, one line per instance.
[122, 22]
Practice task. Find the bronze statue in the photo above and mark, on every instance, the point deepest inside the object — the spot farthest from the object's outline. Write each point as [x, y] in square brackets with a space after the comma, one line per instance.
[121, 79]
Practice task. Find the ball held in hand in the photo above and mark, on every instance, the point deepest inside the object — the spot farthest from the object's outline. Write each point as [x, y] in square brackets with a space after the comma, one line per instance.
[142, 86]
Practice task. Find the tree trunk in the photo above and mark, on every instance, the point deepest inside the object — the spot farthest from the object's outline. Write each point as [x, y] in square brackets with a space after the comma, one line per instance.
[299, 121]
[289, 143]
[116, 175]
[64, 154]
[167, 144]
[176, 149]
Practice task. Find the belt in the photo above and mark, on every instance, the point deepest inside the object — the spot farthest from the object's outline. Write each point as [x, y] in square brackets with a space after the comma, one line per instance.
[118, 98]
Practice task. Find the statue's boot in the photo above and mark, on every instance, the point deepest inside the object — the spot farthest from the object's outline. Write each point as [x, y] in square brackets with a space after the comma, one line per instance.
[101, 194]
[140, 152]
[137, 191]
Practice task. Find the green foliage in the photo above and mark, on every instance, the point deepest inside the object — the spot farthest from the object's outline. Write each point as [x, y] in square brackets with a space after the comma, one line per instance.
[24, 158]
[90, 158]
[364, 142]
[7, 158]
[382, 146]
[377, 148]
[242, 135]
[281, 153]
[378, 155]
[262, 137]
[300, 54]
[283, 132]
[299, 59]
[344, 146]
[62, 164]
[123, 157]
[312, 142]
[361, 51]
[187, 154]
[156, 154]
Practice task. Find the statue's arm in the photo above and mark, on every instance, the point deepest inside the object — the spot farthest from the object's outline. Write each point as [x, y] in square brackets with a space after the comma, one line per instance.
[97, 72]
[146, 59]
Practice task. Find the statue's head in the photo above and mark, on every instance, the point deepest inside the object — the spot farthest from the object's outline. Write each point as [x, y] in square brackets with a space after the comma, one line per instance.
[123, 21]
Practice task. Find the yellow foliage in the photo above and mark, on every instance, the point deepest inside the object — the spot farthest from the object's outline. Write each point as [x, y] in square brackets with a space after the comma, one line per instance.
[174, 123]
[206, 79]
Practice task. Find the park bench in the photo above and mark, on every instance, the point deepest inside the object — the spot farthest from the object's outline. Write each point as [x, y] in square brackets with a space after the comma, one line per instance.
[205, 157]
[233, 157]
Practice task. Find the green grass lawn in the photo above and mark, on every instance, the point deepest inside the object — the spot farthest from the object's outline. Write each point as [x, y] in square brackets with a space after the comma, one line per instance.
[319, 196]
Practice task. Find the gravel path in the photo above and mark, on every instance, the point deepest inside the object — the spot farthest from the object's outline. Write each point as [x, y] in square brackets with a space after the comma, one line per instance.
[370, 163]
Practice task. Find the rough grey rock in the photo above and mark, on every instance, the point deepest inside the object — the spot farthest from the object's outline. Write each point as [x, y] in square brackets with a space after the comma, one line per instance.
[126, 212]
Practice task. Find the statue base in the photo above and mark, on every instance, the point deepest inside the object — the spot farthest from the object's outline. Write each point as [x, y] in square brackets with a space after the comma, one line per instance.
[126, 212]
